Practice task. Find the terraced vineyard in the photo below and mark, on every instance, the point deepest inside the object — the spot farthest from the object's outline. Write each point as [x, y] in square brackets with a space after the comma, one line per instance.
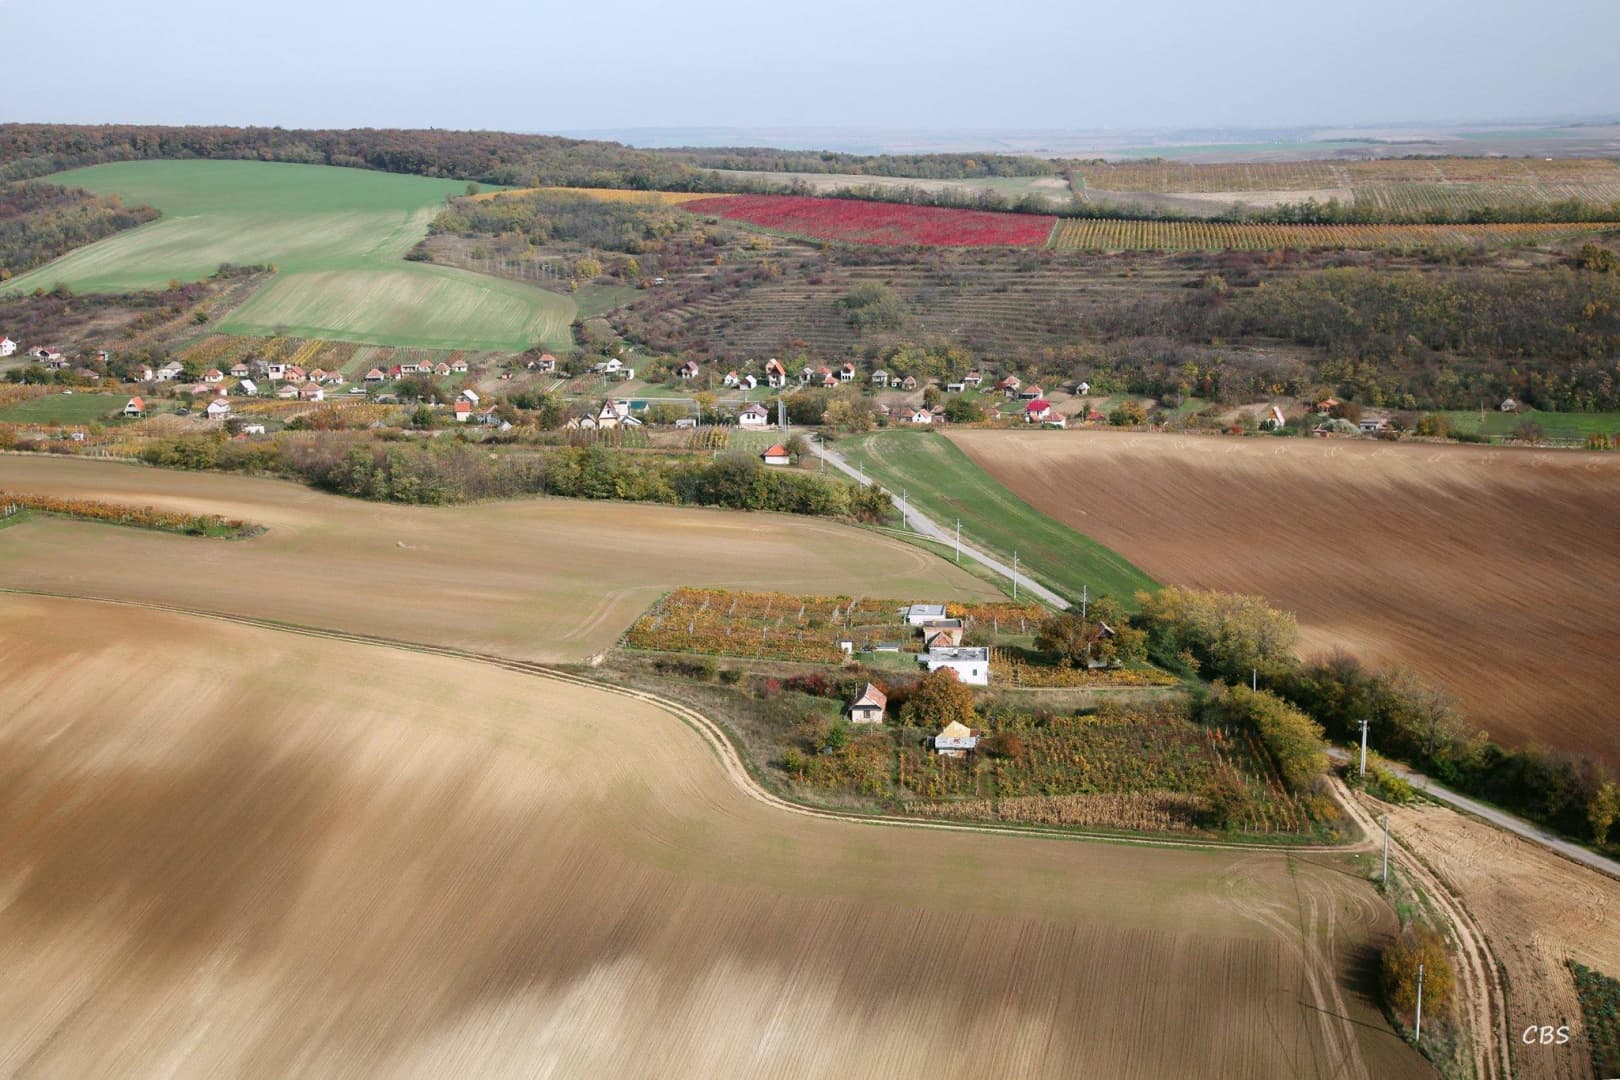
[1120, 235]
[1164, 177]
[1534, 177]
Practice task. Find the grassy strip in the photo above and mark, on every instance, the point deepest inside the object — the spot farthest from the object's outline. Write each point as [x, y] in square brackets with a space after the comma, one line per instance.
[943, 483]
[1600, 1010]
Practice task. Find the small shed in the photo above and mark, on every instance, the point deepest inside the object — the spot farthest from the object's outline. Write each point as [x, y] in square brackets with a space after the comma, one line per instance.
[955, 739]
[777, 455]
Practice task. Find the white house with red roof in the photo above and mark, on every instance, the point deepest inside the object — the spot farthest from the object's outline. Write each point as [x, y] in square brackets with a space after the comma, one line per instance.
[1037, 411]
[376, 375]
[458, 367]
[213, 375]
[218, 409]
[136, 407]
[311, 392]
[775, 374]
[462, 409]
[777, 455]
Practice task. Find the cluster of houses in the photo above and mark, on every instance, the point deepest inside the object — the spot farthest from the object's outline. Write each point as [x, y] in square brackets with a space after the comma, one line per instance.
[942, 648]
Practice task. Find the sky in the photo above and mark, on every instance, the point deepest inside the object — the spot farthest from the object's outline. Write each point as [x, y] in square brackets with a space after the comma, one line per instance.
[1027, 65]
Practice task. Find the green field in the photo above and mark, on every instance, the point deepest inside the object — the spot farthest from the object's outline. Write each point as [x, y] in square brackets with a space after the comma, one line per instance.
[337, 238]
[69, 409]
[1570, 427]
[944, 484]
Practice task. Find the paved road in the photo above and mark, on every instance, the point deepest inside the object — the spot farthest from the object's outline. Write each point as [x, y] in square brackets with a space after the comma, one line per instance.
[1501, 819]
[926, 526]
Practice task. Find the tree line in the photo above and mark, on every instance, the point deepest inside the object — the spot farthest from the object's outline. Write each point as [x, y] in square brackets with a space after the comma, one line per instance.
[39, 222]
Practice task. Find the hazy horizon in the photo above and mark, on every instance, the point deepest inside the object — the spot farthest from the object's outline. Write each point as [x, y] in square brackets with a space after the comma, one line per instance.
[1039, 66]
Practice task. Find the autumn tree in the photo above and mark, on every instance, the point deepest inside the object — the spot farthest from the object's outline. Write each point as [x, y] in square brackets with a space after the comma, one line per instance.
[1417, 945]
[1602, 809]
[939, 699]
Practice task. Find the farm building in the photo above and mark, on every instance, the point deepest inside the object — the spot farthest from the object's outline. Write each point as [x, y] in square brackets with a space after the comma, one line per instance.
[1508, 405]
[1082, 388]
[777, 455]
[7, 346]
[247, 387]
[135, 407]
[923, 614]
[687, 371]
[955, 739]
[868, 708]
[253, 429]
[462, 410]
[1057, 421]
[471, 396]
[955, 387]
[971, 663]
[754, 417]
[218, 409]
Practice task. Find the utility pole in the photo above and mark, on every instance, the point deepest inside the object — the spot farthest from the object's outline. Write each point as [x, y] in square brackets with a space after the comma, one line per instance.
[1085, 600]
[1254, 680]
[904, 524]
[1015, 575]
[1417, 1025]
[959, 541]
[1364, 748]
[1386, 851]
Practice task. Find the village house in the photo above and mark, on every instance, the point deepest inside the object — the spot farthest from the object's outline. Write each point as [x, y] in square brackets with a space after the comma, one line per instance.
[311, 392]
[143, 373]
[776, 455]
[614, 414]
[1031, 393]
[7, 347]
[749, 382]
[247, 388]
[471, 396]
[846, 373]
[1372, 425]
[218, 409]
[805, 375]
[869, 707]
[213, 375]
[955, 739]
[880, 378]
[1010, 386]
[923, 614]
[376, 375]
[942, 633]
[955, 387]
[546, 364]
[687, 371]
[973, 378]
[775, 374]
[607, 367]
[462, 410]
[295, 374]
[909, 382]
[971, 663]
[729, 379]
[335, 378]
[135, 407]
[754, 417]
[318, 375]
[441, 369]
[52, 357]
[287, 392]
[168, 372]
[459, 367]
[918, 416]
[252, 429]
[1037, 411]
[1056, 421]
[275, 370]
[1508, 405]
[1082, 388]
[240, 370]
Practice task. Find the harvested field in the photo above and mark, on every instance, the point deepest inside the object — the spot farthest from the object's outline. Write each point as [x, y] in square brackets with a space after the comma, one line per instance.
[1488, 570]
[542, 579]
[287, 856]
[1537, 910]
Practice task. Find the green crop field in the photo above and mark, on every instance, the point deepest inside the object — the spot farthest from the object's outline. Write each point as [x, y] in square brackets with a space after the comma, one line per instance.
[70, 409]
[338, 239]
[940, 480]
[1572, 427]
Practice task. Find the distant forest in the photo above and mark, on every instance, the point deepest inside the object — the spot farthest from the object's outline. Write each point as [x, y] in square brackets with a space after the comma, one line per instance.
[32, 150]
[38, 222]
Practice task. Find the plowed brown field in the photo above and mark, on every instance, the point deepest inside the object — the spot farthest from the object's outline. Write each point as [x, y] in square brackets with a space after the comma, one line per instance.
[1493, 572]
[541, 579]
[237, 851]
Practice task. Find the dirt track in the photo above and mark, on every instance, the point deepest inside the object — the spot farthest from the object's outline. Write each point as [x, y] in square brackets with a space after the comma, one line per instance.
[542, 579]
[1492, 572]
[232, 850]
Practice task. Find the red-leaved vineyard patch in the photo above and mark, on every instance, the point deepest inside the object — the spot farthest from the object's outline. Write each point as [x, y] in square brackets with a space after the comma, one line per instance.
[879, 223]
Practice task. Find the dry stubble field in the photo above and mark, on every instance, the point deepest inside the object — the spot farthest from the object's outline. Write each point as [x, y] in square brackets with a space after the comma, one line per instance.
[1538, 910]
[540, 579]
[1491, 571]
[239, 851]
